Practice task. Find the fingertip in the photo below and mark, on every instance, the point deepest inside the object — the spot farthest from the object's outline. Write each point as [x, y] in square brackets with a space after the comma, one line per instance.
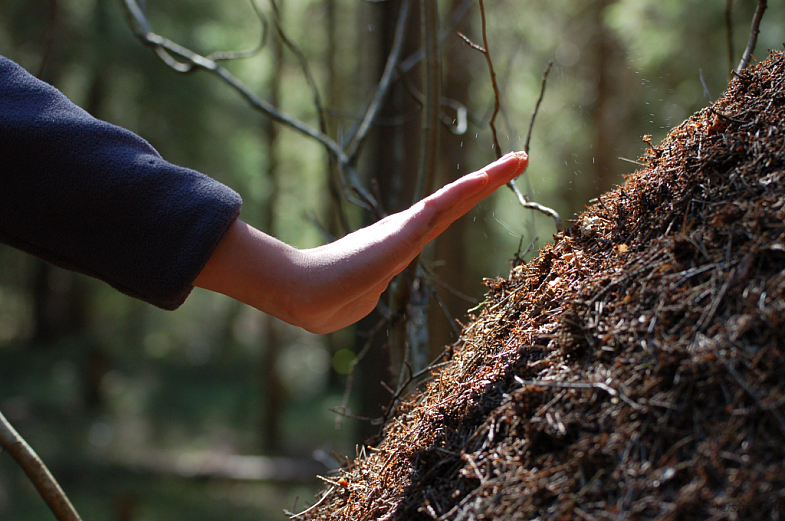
[510, 165]
[523, 161]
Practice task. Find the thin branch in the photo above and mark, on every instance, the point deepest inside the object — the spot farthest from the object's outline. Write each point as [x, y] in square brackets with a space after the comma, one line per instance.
[497, 94]
[347, 175]
[303, 66]
[404, 385]
[357, 359]
[241, 55]
[37, 472]
[470, 43]
[395, 69]
[537, 105]
[166, 49]
[531, 205]
[754, 31]
[497, 104]
[326, 494]
[384, 84]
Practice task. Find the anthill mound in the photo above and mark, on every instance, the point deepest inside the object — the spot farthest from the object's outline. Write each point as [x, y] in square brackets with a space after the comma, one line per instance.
[634, 370]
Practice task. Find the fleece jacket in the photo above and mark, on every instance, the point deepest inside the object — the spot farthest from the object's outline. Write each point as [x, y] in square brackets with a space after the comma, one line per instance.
[97, 199]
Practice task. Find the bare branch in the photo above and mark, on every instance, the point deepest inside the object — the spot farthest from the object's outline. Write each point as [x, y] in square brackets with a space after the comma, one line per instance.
[166, 49]
[471, 44]
[350, 185]
[537, 105]
[497, 105]
[241, 55]
[497, 94]
[37, 472]
[754, 31]
[324, 496]
[384, 84]
[553, 214]
[303, 66]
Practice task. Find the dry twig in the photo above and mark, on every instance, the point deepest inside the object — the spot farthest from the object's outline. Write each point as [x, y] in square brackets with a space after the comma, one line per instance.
[37, 472]
[172, 54]
[522, 199]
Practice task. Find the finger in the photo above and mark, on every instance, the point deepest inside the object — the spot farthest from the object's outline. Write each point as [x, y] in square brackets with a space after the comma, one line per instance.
[457, 198]
[420, 224]
[464, 193]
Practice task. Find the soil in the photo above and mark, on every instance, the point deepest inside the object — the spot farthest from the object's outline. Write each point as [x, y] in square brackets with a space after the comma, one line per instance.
[634, 370]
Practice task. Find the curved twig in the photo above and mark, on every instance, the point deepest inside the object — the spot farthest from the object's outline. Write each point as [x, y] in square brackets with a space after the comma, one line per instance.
[531, 205]
[326, 494]
[166, 48]
[241, 55]
[537, 105]
[494, 83]
[36, 471]
[497, 105]
[317, 100]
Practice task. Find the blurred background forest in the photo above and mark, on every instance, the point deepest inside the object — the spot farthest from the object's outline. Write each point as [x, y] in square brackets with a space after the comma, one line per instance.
[216, 411]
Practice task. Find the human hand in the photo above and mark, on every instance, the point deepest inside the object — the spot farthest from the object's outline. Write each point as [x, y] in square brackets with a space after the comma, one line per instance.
[332, 286]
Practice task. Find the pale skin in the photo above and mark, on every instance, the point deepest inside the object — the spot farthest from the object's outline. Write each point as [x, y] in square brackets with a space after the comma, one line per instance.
[327, 288]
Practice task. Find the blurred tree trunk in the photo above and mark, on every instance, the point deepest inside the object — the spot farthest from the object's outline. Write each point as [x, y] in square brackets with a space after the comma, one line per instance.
[449, 250]
[336, 220]
[608, 110]
[271, 385]
[392, 162]
[60, 301]
[60, 297]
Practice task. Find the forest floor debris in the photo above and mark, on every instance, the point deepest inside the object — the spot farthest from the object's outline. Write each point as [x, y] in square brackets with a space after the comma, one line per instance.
[634, 369]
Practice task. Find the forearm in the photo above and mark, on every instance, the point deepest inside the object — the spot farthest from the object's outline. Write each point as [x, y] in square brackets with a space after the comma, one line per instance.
[256, 269]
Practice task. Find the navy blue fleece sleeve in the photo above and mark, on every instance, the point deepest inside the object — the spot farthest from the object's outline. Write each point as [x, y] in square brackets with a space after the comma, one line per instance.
[97, 199]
